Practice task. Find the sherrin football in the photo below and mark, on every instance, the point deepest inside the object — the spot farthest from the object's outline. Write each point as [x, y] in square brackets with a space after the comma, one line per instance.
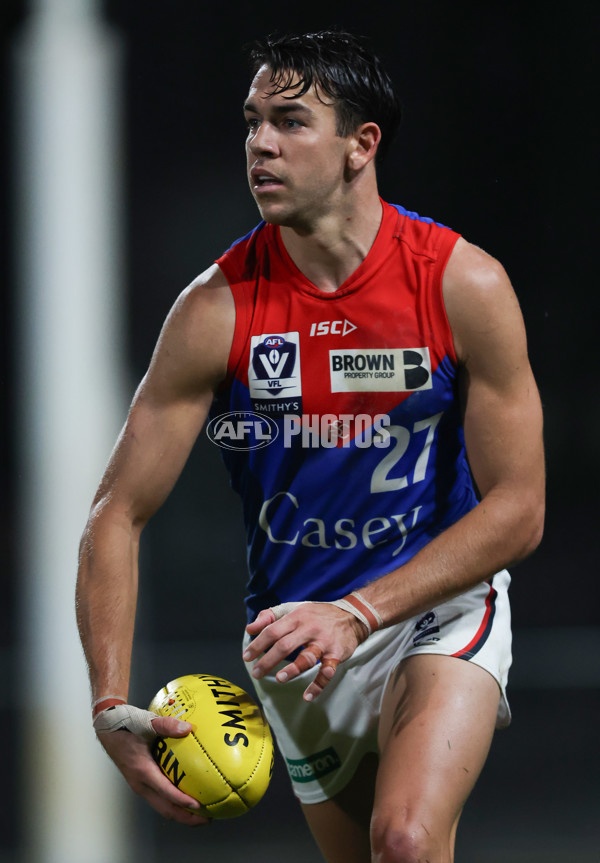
[226, 761]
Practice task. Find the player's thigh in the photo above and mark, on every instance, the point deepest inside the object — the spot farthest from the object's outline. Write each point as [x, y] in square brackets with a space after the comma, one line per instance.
[437, 723]
[341, 825]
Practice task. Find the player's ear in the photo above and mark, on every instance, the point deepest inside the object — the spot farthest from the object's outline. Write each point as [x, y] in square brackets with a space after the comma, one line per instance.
[363, 145]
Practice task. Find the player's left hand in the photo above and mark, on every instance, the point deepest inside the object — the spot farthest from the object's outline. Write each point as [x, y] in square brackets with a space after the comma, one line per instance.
[324, 633]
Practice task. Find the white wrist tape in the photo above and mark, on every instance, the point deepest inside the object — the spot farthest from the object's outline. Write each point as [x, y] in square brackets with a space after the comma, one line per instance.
[126, 717]
[285, 608]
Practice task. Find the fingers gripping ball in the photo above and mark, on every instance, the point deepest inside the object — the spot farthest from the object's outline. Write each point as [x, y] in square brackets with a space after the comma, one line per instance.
[226, 762]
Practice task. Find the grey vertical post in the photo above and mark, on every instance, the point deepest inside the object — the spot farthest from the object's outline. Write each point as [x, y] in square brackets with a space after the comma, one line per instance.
[71, 392]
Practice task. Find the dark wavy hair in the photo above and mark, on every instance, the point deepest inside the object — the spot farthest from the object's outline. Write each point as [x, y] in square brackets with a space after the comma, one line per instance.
[342, 66]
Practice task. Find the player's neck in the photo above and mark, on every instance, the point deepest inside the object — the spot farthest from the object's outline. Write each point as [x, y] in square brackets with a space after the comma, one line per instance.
[336, 245]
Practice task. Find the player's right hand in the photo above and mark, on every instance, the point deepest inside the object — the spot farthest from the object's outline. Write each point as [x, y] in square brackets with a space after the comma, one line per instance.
[321, 631]
[132, 754]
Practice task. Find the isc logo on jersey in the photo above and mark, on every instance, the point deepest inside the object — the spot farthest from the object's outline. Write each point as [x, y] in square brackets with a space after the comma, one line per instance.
[380, 370]
[336, 328]
[274, 378]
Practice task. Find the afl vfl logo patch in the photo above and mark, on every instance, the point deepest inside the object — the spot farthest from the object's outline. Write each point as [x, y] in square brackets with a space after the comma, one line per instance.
[380, 370]
[274, 378]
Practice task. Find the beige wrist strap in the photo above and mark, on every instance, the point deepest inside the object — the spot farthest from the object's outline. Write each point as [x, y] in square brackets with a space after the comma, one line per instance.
[360, 608]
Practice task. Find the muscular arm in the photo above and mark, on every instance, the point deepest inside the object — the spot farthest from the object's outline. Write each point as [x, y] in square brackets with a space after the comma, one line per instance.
[165, 418]
[503, 435]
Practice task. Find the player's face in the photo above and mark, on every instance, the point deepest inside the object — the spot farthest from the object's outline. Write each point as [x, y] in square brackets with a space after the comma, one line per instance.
[295, 159]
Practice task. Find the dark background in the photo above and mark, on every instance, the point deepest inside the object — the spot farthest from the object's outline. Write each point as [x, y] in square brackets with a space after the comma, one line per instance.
[499, 141]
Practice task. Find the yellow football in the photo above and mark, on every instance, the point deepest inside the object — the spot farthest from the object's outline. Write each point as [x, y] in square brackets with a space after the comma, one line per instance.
[226, 761]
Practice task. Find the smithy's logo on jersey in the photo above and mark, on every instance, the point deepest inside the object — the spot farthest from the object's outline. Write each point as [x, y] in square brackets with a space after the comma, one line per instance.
[274, 373]
[380, 370]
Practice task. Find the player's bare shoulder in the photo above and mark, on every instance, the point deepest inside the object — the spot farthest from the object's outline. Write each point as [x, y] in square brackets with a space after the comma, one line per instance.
[481, 304]
[193, 348]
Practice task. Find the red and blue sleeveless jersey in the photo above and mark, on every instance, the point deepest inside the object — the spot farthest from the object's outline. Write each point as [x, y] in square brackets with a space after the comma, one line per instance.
[358, 456]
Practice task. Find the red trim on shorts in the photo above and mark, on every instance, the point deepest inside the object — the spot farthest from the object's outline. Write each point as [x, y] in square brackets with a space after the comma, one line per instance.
[482, 634]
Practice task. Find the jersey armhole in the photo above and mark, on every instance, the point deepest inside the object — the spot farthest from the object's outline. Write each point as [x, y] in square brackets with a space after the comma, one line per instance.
[448, 241]
[243, 299]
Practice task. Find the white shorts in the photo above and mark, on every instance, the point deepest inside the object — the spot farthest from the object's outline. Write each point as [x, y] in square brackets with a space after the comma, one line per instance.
[323, 742]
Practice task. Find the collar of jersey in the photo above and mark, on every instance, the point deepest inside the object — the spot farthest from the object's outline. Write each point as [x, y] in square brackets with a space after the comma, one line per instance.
[373, 260]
